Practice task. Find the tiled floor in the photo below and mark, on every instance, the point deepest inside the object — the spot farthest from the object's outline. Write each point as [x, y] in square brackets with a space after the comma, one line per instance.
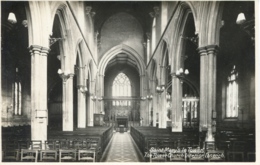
[122, 148]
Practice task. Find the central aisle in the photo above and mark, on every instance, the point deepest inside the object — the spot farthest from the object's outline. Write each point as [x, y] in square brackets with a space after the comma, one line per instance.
[122, 148]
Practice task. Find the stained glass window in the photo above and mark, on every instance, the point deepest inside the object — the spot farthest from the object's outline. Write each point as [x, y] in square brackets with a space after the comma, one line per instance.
[121, 87]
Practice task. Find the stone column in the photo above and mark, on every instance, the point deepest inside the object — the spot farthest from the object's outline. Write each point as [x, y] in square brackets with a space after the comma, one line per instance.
[154, 103]
[148, 47]
[143, 104]
[203, 88]
[67, 115]
[92, 105]
[177, 113]
[101, 94]
[207, 88]
[162, 109]
[39, 112]
[81, 107]
[212, 52]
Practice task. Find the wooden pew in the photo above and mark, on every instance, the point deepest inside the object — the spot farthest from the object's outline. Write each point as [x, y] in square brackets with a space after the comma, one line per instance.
[152, 137]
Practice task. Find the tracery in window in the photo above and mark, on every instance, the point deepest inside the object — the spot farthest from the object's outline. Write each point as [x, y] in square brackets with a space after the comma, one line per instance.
[232, 95]
[17, 90]
[121, 87]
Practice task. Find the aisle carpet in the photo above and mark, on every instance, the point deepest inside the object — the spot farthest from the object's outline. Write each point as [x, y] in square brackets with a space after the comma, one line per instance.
[122, 148]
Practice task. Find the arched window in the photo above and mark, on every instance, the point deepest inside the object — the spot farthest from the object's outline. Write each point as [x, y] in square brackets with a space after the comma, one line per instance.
[232, 95]
[121, 87]
[17, 92]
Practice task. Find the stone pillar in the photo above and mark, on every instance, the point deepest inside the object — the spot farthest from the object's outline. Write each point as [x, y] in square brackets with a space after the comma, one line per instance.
[207, 88]
[212, 52]
[67, 115]
[143, 104]
[177, 114]
[203, 88]
[101, 94]
[81, 107]
[39, 112]
[148, 47]
[154, 103]
[162, 109]
[92, 105]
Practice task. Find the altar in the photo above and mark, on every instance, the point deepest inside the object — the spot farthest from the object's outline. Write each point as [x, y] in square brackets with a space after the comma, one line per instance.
[122, 121]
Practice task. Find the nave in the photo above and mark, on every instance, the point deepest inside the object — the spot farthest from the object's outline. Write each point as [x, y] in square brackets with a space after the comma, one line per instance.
[122, 148]
[177, 74]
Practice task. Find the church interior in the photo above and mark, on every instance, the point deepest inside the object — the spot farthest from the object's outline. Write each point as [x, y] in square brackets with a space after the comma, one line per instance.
[128, 81]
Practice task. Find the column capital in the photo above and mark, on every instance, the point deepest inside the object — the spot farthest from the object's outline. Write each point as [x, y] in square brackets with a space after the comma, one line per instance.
[209, 49]
[45, 51]
[202, 51]
[212, 48]
[88, 11]
[145, 45]
[71, 75]
[173, 74]
[155, 12]
[36, 49]
[148, 35]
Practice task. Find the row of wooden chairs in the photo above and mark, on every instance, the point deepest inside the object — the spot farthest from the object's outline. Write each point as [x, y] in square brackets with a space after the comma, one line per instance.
[61, 155]
[15, 150]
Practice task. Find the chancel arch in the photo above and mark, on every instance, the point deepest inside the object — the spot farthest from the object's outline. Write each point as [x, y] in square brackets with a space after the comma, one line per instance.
[122, 92]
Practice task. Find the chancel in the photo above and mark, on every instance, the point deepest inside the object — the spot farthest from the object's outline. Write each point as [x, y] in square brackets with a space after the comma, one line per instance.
[128, 81]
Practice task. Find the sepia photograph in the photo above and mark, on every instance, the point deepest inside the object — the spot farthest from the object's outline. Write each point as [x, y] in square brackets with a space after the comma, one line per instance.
[128, 82]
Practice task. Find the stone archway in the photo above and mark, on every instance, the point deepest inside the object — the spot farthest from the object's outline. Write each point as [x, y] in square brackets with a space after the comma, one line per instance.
[140, 65]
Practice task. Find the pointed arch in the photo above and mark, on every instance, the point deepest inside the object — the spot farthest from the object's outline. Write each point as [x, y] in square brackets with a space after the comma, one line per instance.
[163, 62]
[121, 49]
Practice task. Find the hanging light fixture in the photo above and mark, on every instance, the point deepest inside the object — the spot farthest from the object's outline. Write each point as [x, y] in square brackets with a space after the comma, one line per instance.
[12, 18]
[180, 74]
[149, 97]
[241, 18]
[160, 89]
[143, 98]
[83, 89]
[247, 25]
[64, 76]
[93, 97]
